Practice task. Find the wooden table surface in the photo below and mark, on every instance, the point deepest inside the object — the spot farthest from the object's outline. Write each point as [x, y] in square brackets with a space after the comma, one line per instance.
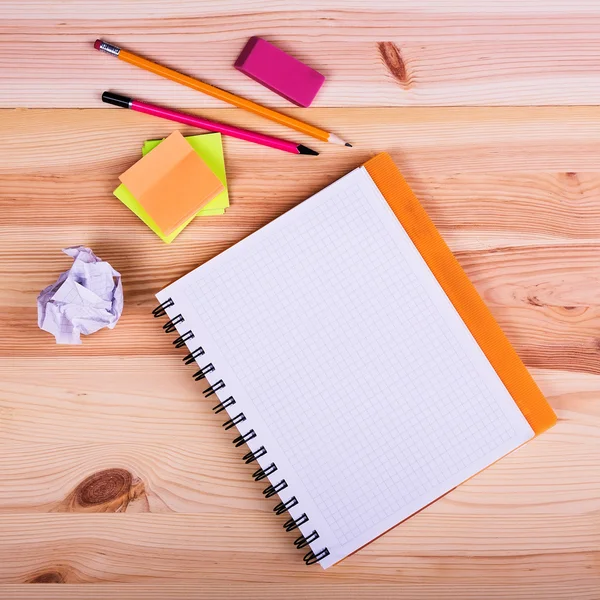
[489, 109]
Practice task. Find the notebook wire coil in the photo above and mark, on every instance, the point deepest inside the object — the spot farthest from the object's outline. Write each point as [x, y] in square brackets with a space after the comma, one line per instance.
[291, 524]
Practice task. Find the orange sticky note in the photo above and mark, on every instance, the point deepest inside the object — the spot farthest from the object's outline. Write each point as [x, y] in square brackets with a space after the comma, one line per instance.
[172, 183]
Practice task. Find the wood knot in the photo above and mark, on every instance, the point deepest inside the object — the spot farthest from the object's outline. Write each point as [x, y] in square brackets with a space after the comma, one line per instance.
[103, 487]
[392, 58]
[534, 301]
[568, 311]
[111, 490]
[48, 577]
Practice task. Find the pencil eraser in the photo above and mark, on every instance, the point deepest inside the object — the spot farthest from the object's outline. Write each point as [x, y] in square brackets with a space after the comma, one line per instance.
[280, 72]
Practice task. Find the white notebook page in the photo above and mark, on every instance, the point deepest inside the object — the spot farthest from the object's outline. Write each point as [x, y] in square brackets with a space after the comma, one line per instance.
[350, 363]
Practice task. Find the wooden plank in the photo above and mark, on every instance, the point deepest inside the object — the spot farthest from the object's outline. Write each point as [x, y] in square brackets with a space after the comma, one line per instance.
[147, 427]
[418, 54]
[506, 215]
[471, 589]
[424, 141]
[550, 205]
[497, 550]
[130, 9]
[550, 476]
[156, 400]
[549, 311]
[128, 477]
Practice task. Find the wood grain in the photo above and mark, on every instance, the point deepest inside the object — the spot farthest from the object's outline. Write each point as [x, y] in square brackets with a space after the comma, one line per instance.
[373, 54]
[117, 425]
[426, 587]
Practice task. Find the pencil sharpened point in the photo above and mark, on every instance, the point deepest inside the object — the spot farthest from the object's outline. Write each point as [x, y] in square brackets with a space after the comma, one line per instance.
[97, 44]
[348, 144]
[305, 150]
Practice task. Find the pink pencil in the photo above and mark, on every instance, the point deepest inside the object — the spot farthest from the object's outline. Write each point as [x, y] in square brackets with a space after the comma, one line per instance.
[173, 115]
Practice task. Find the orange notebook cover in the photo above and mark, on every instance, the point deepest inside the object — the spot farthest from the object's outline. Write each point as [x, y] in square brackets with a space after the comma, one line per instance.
[461, 292]
[172, 183]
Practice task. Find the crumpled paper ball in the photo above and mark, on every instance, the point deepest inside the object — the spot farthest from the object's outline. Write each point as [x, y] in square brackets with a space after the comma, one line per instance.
[84, 299]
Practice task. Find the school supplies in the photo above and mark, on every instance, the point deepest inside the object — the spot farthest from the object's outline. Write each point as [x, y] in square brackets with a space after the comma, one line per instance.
[268, 113]
[187, 119]
[281, 73]
[361, 368]
[172, 183]
[209, 147]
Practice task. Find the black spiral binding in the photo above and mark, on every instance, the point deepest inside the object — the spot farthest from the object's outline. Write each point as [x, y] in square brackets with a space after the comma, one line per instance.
[240, 440]
[292, 524]
[182, 339]
[171, 325]
[262, 473]
[252, 456]
[223, 405]
[302, 541]
[203, 372]
[192, 356]
[275, 489]
[161, 309]
[214, 388]
[235, 421]
[285, 506]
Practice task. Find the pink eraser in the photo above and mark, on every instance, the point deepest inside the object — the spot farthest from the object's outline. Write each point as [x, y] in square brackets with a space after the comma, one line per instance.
[280, 72]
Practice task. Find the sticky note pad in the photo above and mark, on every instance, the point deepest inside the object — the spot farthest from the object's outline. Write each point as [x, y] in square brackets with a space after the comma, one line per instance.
[210, 147]
[172, 183]
[280, 72]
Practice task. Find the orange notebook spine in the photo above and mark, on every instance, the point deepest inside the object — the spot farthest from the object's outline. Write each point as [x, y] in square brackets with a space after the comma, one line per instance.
[461, 292]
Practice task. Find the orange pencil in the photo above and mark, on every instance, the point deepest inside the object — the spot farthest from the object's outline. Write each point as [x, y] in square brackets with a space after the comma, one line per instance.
[210, 90]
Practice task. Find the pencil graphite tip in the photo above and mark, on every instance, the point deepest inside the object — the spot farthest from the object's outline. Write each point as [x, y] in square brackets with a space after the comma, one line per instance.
[348, 144]
[336, 139]
[305, 150]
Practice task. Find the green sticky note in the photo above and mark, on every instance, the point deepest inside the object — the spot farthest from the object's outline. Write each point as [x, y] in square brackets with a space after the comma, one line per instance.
[210, 149]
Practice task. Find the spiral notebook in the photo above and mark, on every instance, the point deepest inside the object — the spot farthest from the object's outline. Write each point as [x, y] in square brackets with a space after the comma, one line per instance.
[363, 372]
